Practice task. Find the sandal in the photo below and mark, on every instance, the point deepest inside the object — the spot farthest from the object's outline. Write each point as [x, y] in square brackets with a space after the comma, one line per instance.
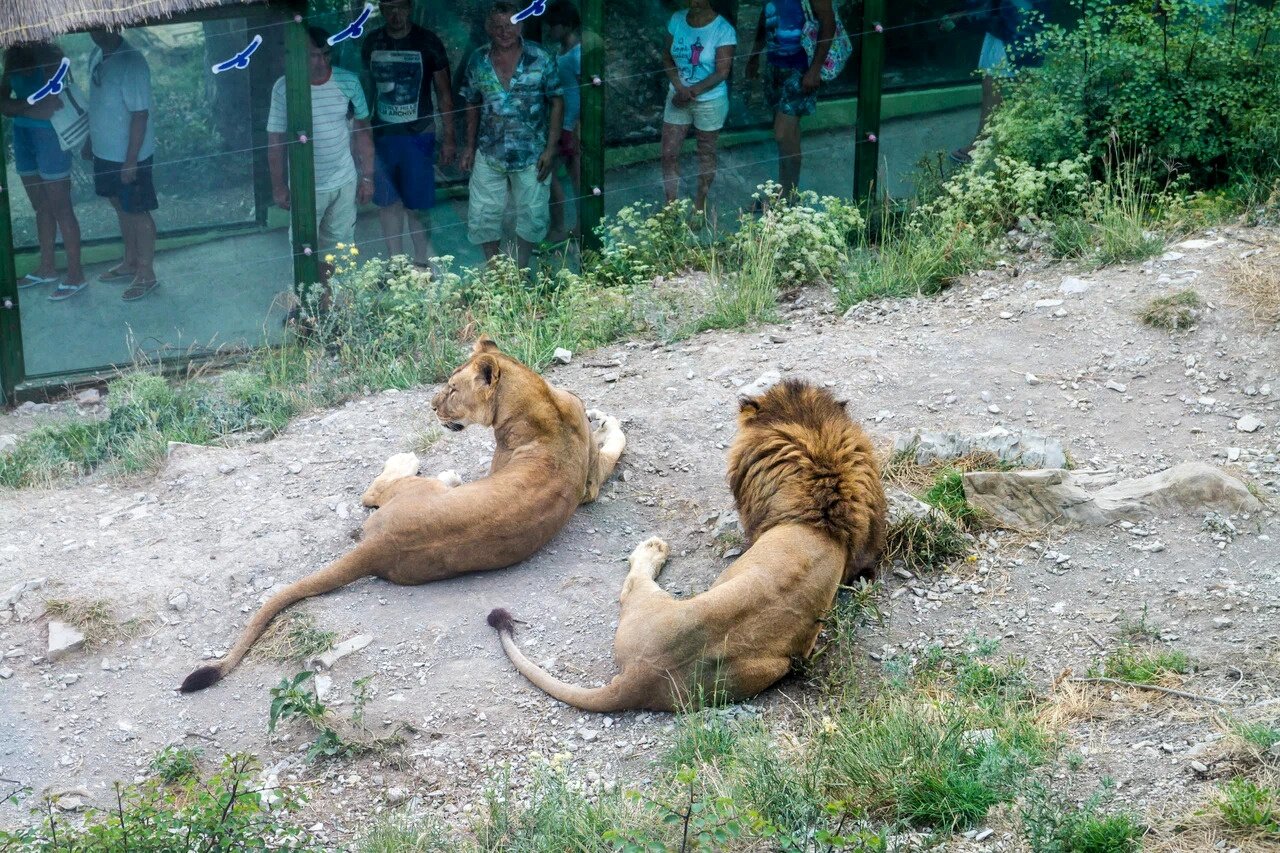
[139, 289]
[117, 274]
[961, 157]
[33, 280]
[66, 291]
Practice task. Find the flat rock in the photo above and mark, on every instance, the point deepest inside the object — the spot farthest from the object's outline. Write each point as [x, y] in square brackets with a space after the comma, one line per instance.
[63, 639]
[338, 652]
[1072, 285]
[1046, 496]
[562, 355]
[1024, 448]
[1249, 423]
[763, 383]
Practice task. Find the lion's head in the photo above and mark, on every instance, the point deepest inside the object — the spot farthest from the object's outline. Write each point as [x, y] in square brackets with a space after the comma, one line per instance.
[798, 458]
[468, 397]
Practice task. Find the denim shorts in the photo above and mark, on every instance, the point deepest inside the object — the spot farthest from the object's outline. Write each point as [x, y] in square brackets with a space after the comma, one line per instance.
[36, 151]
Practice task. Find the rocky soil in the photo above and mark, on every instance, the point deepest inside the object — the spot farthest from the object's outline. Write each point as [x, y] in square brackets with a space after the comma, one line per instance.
[190, 552]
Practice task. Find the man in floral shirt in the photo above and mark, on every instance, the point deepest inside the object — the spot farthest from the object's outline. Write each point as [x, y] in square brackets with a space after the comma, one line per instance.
[514, 107]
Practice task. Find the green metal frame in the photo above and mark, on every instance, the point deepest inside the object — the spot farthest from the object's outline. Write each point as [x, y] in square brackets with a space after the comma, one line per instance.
[302, 169]
[591, 202]
[10, 320]
[866, 132]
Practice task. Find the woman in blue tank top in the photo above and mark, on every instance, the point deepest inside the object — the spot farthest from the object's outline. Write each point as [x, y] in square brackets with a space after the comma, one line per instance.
[44, 167]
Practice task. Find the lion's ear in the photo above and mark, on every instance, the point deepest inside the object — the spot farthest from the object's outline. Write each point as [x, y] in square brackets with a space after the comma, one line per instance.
[748, 406]
[484, 344]
[844, 404]
[488, 369]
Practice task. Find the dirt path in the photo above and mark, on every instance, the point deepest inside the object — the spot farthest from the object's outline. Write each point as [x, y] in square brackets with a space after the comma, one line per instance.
[221, 526]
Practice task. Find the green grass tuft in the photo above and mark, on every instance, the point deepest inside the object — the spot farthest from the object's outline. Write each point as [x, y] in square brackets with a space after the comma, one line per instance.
[175, 763]
[1142, 666]
[925, 545]
[1179, 311]
[1247, 806]
[1050, 824]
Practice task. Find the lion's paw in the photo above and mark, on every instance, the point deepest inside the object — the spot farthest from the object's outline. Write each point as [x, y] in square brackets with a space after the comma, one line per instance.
[449, 478]
[651, 555]
[400, 466]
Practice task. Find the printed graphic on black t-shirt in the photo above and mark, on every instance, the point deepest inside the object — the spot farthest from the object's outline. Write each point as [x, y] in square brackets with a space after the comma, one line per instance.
[402, 72]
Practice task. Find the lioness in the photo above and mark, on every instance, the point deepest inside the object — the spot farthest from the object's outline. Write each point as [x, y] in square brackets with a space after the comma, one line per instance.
[547, 462]
[807, 486]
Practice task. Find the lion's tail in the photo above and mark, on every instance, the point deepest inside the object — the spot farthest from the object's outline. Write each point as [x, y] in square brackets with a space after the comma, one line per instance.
[360, 562]
[614, 696]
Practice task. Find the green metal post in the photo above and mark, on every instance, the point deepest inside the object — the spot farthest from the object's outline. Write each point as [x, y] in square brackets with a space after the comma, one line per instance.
[591, 198]
[866, 134]
[11, 367]
[299, 139]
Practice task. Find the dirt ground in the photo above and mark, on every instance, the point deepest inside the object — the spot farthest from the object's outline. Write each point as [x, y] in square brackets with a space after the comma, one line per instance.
[222, 526]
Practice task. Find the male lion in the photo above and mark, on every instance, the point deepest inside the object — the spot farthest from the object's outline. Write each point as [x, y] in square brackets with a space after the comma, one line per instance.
[807, 486]
[547, 462]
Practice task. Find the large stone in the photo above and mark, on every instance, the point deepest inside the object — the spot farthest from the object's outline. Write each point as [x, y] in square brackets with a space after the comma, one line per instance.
[1022, 448]
[63, 639]
[1044, 497]
[338, 652]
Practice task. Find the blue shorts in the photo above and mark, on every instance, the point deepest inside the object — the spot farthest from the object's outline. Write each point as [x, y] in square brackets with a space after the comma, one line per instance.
[36, 151]
[405, 170]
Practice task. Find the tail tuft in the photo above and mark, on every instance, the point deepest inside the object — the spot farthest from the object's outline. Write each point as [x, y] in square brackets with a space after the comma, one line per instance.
[205, 676]
[501, 619]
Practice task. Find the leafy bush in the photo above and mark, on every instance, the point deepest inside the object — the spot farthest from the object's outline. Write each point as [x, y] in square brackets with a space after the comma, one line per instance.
[644, 241]
[174, 763]
[1052, 825]
[804, 238]
[1196, 85]
[227, 813]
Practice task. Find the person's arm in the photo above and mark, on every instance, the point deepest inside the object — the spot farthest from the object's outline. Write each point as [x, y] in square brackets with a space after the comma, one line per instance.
[467, 158]
[826, 15]
[362, 151]
[10, 106]
[682, 96]
[137, 132]
[444, 97]
[757, 48]
[275, 162]
[548, 158]
[724, 68]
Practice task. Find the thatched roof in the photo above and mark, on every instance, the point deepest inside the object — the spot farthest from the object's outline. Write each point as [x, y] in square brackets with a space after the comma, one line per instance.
[34, 20]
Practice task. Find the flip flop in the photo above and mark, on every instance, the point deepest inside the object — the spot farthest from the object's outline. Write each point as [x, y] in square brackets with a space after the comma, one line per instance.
[33, 280]
[117, 275]
[960, 157]
[66, 291]
[137, 291]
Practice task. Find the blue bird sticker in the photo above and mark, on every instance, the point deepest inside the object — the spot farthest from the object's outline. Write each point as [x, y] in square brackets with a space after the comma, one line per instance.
[54, 86]
[537, 7]
[241, 59]
[353, 30]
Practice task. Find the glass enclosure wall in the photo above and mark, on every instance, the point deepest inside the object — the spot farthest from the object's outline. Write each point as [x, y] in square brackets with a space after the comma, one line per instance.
[164, 198]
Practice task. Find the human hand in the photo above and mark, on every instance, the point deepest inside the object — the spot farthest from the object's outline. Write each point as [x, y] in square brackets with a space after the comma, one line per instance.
[683, 96]
[448, 151]
[811, 81]
[281, 197]
[128, 173]
[545, 162]
[43, 108]
[364, 191]
[467, 160]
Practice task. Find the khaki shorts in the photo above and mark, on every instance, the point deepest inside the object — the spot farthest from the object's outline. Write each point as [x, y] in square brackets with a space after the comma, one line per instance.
[335, 217]
[488, 190]
[706, 116]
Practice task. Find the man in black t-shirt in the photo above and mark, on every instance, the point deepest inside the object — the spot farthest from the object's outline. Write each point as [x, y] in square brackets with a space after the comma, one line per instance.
[405, 61]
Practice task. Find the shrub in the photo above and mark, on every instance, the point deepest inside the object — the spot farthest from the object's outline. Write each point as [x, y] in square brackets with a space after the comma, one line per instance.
[806, 238]
[175, 763]
[1196, 85]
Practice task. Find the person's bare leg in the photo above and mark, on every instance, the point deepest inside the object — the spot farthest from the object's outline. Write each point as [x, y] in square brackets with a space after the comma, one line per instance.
[419, 222]
[144, 229]
[557, 231]
[46, 224]
[130, 262]
[990, 100]
[706, 167]
[786, 131]
[391, 218]
[491, 249]
[673, 136]
[524, 253]
[58, 194]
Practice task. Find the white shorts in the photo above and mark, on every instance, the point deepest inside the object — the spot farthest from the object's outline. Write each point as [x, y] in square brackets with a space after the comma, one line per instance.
[707, 116]
[335, 217]
[488, 191]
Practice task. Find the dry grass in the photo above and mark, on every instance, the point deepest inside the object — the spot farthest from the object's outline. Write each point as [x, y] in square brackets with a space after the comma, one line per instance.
[1255, 285]
[95, 618]
[1071, 702]
[1175, 312]
[900, 469]
[293, 637]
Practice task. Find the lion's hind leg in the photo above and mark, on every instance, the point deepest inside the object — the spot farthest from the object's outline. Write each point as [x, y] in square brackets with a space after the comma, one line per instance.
[398, 467]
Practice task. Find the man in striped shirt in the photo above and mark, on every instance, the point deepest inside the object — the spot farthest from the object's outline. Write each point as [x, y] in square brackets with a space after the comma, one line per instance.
[339, 129]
